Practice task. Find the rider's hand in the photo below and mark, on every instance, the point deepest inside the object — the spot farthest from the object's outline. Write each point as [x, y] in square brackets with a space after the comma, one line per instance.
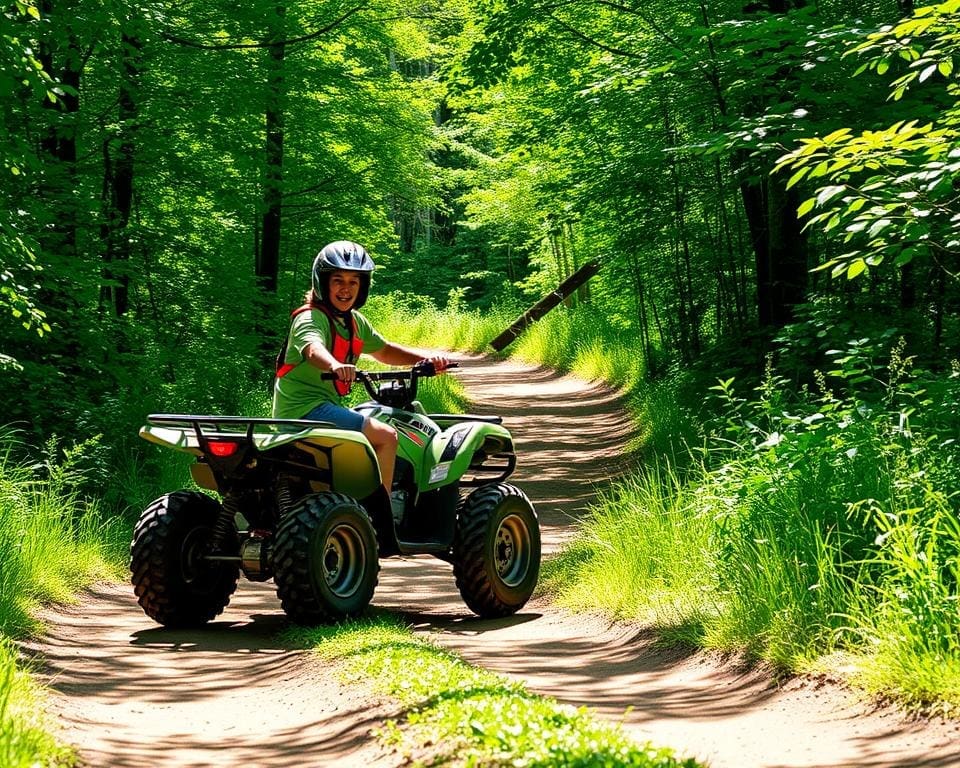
[440, 363]
[344, 372]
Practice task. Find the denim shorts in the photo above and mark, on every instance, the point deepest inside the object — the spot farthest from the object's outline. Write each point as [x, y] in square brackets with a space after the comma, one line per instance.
[337, 414]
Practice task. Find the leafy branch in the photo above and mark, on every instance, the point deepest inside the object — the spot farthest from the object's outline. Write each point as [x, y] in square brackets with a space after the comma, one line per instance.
[890, 193]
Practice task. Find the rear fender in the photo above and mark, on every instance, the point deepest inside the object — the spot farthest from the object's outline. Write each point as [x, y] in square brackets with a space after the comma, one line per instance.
[460, 452]
[348, 456]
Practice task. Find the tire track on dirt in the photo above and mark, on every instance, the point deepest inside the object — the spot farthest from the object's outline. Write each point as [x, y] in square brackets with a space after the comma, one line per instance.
[130, 693]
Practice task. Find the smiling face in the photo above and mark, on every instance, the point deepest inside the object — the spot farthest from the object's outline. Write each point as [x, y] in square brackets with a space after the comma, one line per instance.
[344, 287]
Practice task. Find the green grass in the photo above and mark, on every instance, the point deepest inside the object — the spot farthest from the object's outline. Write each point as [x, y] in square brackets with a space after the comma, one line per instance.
[419, 323]
[52, 543]
[642, 554]
[807, 528]
[581, 340]
[25, 740]
[454, 710]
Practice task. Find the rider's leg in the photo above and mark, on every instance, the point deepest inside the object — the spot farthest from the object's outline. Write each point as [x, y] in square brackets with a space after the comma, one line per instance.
[383, 438]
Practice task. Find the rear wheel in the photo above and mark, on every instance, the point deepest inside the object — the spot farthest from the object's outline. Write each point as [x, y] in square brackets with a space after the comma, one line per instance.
[174, 582]
[325, 559]
[496, 554]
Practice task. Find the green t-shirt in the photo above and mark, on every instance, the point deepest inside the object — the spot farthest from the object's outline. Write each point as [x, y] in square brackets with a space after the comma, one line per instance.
[302, 389]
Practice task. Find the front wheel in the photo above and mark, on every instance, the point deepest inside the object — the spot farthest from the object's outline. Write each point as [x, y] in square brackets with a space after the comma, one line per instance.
[496, 554]
[175, 583]
[325, 559]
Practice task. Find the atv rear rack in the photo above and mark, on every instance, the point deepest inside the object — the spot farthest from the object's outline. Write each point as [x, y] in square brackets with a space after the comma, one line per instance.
[192, 420]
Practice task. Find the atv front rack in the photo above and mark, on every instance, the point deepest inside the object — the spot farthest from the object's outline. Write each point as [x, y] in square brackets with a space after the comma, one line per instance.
[480, 472]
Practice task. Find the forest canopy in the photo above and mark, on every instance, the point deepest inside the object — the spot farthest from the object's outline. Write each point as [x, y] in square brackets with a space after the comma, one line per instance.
[170, 170]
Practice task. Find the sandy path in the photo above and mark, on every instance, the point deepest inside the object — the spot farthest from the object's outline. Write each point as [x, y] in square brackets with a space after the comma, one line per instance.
[132, 694]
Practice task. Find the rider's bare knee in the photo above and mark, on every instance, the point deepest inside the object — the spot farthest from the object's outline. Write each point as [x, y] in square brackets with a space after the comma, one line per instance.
[382, 435]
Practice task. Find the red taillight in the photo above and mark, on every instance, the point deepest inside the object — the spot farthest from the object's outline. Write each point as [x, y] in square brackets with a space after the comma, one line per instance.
[223, 448]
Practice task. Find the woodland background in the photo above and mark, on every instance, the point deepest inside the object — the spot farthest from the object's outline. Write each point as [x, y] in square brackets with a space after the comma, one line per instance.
[171, 169]
[770, 188]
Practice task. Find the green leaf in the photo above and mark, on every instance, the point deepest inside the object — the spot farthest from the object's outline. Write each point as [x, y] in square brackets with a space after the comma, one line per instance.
[856, 268]
[945, 67]
[826, 194]
[806, 206]
[797, 177]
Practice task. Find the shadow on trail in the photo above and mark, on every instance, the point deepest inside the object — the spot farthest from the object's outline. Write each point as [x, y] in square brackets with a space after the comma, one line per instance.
[571, 436]
[233, 693]
[562, 658]
[257, 635]
[200, 697]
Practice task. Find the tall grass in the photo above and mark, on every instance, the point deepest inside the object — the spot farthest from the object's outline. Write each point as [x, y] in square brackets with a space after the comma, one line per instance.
[25, 740]
[582, 340]
[416, 321]
[643, 553]
[52, 542]
[812, 523]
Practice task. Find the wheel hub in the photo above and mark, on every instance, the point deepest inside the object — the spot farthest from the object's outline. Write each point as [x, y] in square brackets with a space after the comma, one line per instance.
[344, 560]
[511, 550]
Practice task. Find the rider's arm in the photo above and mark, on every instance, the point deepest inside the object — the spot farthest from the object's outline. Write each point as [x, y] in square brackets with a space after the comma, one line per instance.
[396, 354]
[319, 356]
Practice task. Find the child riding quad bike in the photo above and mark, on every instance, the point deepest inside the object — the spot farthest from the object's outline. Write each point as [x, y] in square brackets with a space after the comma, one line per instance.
[301, 502]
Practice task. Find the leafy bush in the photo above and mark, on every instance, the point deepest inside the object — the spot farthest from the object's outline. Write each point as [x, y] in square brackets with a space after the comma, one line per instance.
[823, 516]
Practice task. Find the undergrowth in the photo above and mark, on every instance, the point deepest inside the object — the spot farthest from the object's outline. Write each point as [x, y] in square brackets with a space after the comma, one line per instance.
[53, 541]
[454, 710]
[810, 522]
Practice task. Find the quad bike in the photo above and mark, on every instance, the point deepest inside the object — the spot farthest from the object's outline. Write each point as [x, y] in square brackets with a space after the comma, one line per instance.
[302, 502]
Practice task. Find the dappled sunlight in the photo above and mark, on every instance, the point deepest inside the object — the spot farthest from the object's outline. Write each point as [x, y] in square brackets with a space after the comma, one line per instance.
[113, 666]
[236, 692]
[571, 438]
[564, 429]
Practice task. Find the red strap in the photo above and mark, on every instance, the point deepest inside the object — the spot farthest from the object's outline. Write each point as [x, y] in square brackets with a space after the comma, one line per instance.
[344, 350]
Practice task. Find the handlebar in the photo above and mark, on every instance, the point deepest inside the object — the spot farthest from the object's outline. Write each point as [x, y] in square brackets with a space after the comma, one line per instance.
[421, 370]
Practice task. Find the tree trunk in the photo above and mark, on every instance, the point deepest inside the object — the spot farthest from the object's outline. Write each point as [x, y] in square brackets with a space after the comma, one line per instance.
[788, 252]
[268, 258]
[59, 143]
[118, 180]
[779, 247]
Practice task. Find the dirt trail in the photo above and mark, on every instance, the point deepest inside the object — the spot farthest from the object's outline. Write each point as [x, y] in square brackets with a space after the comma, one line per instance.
[131, 694]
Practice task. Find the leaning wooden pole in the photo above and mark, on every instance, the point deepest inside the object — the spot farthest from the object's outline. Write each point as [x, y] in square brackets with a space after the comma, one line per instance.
[545, 304]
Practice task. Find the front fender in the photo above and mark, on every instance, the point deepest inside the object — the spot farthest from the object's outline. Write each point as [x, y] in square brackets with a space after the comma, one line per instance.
[457, 450]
